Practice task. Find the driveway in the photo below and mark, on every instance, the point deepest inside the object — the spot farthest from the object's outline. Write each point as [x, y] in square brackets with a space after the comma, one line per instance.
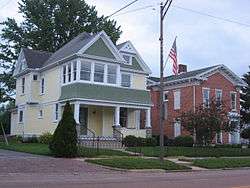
[28, 171]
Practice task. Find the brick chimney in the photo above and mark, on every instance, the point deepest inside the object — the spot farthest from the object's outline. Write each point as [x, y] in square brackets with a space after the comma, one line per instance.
[182, 68]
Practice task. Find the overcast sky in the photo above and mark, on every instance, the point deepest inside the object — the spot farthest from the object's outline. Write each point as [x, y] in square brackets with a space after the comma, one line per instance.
[201, 40]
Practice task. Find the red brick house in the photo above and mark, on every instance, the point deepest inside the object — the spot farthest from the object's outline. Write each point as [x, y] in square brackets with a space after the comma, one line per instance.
[188, 90]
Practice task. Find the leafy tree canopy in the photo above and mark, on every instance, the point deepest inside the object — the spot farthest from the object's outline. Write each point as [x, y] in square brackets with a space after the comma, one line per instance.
[245, 100]
[47, 25]
[205, 122]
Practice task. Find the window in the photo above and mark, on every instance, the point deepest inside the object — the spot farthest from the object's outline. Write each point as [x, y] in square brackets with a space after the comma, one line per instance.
[177, 128]
[123, 117]
[69, 72]
[85, 71]
[40, 113]
[128, 59]
[125, 80]
[23, 85]
[206, 93]
[74, 70]
[20, 116]
[42, 86]
[56, 112]
[218, 97]
[233, 100]
[99, 73]
[165, 96]
[34, 77]
[177, 100]
[218, 138]
[64, 73]
[111, 76]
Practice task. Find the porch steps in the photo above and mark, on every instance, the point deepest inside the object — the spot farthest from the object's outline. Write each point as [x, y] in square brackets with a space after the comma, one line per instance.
[103, 143]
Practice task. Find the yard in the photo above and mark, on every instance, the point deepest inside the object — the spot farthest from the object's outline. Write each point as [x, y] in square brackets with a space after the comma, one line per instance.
[222, 163]
[43, 149]
[138, 163]
[192, 151]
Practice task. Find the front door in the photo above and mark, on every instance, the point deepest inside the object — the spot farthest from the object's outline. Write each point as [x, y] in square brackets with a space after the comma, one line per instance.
[83, 120]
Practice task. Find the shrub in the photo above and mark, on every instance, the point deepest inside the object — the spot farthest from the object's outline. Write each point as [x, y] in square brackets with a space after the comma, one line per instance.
[167, 141]
[185, 141]
[64, 140]
[246, 133]
[45, 138]
[31, 139]
[130, 141]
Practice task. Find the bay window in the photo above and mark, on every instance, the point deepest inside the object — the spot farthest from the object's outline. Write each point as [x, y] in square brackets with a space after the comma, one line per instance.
[111, 74]
[85, 71]
[64, 73]
[99, 72]
[69, 73]
[74, 70]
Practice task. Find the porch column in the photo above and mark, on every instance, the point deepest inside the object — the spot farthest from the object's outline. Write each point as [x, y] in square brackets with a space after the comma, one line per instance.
[117, 116]
[148, 118]
[76, 112]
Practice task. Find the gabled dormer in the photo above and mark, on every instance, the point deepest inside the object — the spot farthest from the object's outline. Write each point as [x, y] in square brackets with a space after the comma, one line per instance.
[133, 60]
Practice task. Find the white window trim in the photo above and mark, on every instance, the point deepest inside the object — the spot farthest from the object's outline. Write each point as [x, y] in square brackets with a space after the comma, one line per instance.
[165, 92]
[235, 107]
[219, 90]
[177, 106]
[23, 90]
[20, 122]
[175, 128]
[39, 114]
[203, 101]
[131, 77]
[221, 138]
[54, 112]
[42, 92]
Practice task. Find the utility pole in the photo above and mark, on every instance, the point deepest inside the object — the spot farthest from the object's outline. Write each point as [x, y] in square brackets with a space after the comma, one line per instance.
[163, 11]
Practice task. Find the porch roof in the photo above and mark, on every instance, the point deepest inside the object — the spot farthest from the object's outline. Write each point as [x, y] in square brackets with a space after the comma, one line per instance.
[105, 93]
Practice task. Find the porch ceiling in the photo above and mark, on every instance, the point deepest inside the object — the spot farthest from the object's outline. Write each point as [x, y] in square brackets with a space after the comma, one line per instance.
[105, 93]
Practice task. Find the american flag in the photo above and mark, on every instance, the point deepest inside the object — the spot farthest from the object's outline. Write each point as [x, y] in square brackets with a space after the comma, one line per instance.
[173, 57]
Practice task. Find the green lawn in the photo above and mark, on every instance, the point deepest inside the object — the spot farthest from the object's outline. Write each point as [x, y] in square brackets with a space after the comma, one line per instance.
[138, 163]
[43, 149]
[34, 148]
[222, 163]
[192, 151]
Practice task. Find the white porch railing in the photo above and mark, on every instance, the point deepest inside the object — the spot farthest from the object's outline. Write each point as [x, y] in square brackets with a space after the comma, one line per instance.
[135, 132]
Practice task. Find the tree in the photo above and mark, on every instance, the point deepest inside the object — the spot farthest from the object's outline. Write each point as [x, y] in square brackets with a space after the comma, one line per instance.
[47, 26]
[245, 100]
[64, 141]
[5, 117]
[246, 134]
[205, 122]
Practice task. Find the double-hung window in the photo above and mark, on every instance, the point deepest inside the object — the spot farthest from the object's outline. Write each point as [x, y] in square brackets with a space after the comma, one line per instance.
[42, 86]
[125, 80]
[206, 97]
[233, 97]
[177, 100]
[56, 112]
[218, 97]
[20, 118]
[85, 71]
[99, 72]
[111, 74]
[23, 85]
[69, 73]
[64, 73]
[74, 70]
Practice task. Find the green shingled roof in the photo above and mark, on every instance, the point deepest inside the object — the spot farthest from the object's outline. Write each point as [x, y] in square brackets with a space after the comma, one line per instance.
[105, 93]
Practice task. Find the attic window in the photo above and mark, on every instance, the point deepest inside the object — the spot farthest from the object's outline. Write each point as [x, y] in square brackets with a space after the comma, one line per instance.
[128, 59]
[34, 77]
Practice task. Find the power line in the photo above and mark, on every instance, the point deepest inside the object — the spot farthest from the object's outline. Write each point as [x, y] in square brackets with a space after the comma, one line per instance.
[138, 9]
[211, 16]
[123, 8]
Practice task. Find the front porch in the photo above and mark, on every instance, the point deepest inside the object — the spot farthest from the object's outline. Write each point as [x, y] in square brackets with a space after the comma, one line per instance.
[110, 121]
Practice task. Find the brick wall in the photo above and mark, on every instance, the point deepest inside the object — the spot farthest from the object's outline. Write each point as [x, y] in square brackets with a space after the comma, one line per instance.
[216, 81]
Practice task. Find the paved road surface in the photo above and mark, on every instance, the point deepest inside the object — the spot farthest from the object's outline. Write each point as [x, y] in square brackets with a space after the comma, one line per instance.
[29, 171]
